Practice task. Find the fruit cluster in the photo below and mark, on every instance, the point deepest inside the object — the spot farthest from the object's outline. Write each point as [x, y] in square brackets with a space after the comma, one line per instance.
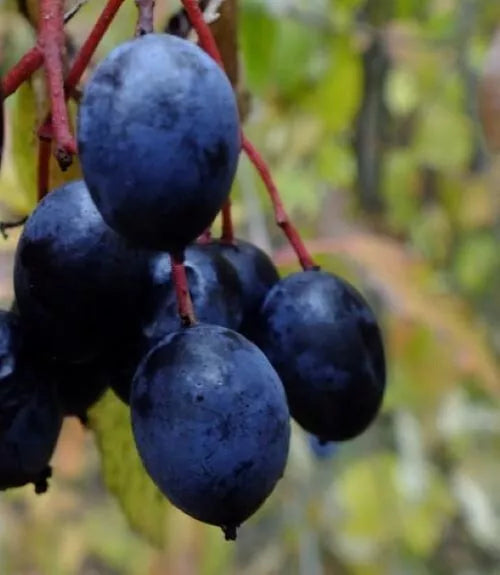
[118, 284]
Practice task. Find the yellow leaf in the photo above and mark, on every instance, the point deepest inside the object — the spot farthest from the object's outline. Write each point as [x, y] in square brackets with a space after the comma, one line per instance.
[142, 502]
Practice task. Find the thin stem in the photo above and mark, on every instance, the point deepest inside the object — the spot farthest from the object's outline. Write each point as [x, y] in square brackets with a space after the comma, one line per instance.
[76, 71]
[184, 303]
[33, 59]
[88, 48]
[207, 42]
[145, 20]
[205, 36]
[227, 235]
[179, 24]
[280, 214]
[21, 71]
[51, 42]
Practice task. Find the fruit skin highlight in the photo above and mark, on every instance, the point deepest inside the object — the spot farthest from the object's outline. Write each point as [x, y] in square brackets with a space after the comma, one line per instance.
[77, 283]
[215, 291]
[159, 140]
[323, 340]
[211, 424]
[30, 417]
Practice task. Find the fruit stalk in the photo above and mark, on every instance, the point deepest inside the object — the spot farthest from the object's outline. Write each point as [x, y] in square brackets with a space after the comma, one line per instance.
[207, 42]
[33, 59]
[51, 42]
[184, 303]
[205, 36]
[145, 20]
[21, 71]
[76, 71]
[90, 45]
[280, 215]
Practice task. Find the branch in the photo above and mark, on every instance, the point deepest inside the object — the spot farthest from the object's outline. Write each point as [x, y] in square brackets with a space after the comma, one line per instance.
[78, 67]
[184, 303]
[51, 42]
[21, 71]
[208, 44]
[205, 37]
[280, 214]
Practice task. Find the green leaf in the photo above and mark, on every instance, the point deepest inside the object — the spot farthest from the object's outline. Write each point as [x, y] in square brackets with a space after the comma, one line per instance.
[293, 59]
[337, 96]
[443, 138]
[336, 164]
[24, 119]
[476, 262]
[141, 501]
[402, 95]
[298, 189]
[432, 233]
[400, 188]
[255, 24]
[376, 487]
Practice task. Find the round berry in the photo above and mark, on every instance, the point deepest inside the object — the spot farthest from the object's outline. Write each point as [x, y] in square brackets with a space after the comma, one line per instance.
[158, 137]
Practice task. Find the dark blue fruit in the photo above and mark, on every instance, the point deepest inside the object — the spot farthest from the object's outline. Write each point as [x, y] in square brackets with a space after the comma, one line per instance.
[78, 285]
[211, 424]
[30, 418]
[324, 342]
[158, 136]
[215, 290]
[256, 273]
[78, 386]
[217, 299]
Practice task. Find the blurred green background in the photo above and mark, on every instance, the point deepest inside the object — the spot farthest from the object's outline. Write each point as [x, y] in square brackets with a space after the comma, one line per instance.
[369, 115]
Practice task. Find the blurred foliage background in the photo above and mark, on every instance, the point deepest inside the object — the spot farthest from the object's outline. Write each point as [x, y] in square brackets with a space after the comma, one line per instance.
[369, 114]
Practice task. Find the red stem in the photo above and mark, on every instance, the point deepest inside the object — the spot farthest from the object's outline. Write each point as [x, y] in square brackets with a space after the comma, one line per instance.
[280, 214]
[227, 235]
[207, 42]
[51, 42]
[88, 48]
[205, 36]
[21, 71]
[184, 303]
[76, 71]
